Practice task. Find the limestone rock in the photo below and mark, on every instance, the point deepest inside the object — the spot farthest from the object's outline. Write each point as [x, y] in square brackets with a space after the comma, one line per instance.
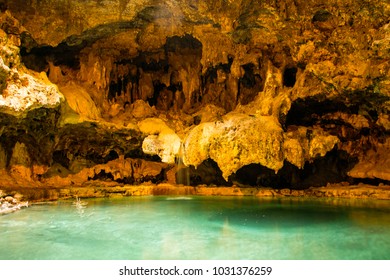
[236, 141]
[209, 113]
[142, 110]
[119, 170]
[161, 139]
[304, 144]
[375, 163]
[20, 155]
[20, 163]
[80, 101]
[22, 89]
[240, 140]
[27, 91]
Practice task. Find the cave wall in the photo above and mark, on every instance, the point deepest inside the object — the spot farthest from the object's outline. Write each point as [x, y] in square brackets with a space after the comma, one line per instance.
[274, 89]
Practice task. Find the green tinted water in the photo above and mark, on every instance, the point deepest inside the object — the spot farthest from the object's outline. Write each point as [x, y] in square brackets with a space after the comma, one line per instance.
[199, 228]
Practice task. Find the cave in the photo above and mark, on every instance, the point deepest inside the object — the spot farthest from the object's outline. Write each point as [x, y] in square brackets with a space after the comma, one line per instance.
[184, 129]
[116, 74]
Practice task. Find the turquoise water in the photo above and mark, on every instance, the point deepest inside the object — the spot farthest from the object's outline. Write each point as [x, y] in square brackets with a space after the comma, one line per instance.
[199, 228]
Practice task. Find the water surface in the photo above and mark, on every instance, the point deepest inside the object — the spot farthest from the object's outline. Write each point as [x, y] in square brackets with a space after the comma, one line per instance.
[199, 228]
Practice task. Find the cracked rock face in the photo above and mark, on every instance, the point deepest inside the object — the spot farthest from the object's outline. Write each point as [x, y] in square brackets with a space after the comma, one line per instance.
[262, 93]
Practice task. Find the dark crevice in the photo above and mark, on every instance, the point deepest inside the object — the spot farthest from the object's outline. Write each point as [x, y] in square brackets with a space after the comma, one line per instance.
[207, 173]
[102, 176]
[184, 44]
[107, 176]
[211, 73]
[369, 181]
[332, 168]
[321, 16]
[67, 52]
[61, 158]
[99, 159]
[290, 77]
[138, 153]
[145, 61]
[249, 79]
[307, 112]
[158, 87]
[249, 85]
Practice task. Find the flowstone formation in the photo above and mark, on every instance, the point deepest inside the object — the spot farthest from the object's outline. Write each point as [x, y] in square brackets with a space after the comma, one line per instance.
[280, 94]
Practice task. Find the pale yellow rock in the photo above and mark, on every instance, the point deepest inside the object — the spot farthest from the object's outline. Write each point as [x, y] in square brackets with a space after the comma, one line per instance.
[28, 90]
[304, 144]
[321, 144]
[80, 101]
[153, 126]
[294, 152]
[237, 141]
[162, 140]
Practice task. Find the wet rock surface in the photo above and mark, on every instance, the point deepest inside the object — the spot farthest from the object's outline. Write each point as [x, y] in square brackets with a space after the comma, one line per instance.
[278, 94]
[11, 203]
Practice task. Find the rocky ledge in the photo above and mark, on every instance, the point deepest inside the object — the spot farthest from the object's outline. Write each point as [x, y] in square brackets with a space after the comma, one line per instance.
[9, 204]
[35, 195]
[262, 95]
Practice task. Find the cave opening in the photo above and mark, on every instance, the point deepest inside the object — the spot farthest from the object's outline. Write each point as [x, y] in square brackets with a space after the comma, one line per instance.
[158, 87]
[61, 158]
[332, 168]
[138, 153]
[250, 84]
[308, 111]
[290, 76]
[102, 176]
[207, 173]
[98, 158]
[311, 110]
[162, 77]
[169, 77]
[210, 75]
[370, 181]
[36, 57]
[184, 44]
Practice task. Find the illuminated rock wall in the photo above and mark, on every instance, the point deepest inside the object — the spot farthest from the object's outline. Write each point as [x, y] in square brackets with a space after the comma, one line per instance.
[273, 93]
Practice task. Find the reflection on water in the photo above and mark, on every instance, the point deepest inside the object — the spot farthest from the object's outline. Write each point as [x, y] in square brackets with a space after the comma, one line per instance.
[199, 228]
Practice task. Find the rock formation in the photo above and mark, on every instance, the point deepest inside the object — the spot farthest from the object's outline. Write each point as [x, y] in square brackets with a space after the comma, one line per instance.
[262, 93]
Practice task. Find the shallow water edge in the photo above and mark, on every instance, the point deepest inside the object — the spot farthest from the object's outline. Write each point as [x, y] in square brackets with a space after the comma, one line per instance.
[103, 189]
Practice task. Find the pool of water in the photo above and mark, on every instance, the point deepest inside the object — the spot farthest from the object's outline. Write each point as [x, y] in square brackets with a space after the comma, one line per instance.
[199, 228]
